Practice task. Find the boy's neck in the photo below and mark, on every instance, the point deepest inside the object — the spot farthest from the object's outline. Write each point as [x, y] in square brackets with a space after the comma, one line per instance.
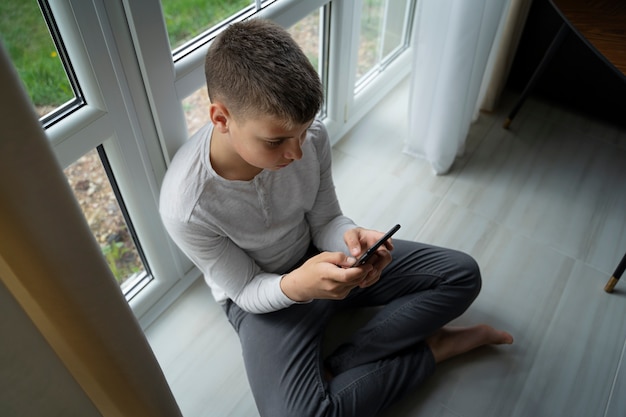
[226, 162]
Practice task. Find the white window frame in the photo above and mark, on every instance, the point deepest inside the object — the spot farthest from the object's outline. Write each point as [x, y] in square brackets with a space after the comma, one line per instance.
[133, 89]
[116, 116]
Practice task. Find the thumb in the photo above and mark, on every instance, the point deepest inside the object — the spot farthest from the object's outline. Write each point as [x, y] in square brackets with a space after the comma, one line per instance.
[337, 258]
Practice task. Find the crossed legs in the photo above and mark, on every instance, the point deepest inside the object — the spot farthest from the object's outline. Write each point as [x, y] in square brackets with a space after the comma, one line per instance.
[422, 290]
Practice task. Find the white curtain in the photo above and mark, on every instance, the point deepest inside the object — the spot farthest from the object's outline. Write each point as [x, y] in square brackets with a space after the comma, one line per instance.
[459, 45]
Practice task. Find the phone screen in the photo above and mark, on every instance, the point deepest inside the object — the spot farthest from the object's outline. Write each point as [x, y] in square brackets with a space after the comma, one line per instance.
[370, 251]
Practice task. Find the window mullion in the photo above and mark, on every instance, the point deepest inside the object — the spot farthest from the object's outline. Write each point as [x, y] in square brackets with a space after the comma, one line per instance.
[117, 116]
[135, 153]
[155, 60]
[383, 32]
[343, 53]
[80, 132]
[76, 27]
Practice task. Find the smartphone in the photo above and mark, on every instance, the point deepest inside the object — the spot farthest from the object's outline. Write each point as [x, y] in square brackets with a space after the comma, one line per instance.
[369, 252]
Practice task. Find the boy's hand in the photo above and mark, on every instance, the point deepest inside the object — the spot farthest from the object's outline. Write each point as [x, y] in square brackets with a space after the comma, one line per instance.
[324, 276]
[359, 240]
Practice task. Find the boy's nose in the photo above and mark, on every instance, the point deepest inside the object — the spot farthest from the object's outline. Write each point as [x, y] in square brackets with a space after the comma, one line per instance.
[294, 151]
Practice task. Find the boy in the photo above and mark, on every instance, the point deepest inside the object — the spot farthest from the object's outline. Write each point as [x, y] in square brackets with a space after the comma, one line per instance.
[250, 200]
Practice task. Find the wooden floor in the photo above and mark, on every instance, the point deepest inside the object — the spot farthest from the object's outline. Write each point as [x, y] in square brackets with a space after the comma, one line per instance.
[542, 207]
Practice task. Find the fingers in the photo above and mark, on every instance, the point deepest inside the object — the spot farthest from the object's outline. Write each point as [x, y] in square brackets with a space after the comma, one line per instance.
[338, 277]
[379, 261]
[382, 258]
[359, 239]
[335, 258]
[330, 275]
[353, 241]
[360, 276]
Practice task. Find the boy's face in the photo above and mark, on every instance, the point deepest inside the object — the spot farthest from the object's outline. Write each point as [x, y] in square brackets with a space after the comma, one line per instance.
[266, 143]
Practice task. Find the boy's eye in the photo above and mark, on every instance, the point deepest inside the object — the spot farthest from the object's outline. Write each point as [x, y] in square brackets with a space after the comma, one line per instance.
[273, 143]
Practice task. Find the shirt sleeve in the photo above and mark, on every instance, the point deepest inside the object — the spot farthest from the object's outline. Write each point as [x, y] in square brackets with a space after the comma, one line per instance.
[327, 222]
[229, 267]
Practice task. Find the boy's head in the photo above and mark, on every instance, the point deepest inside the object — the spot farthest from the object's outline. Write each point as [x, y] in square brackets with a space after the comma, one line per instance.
[255, 68]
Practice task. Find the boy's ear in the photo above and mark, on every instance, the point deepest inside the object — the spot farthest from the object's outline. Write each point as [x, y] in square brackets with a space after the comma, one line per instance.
[220, 116]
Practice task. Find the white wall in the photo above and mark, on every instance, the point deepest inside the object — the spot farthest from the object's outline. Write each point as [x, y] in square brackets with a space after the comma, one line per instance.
[33, 381]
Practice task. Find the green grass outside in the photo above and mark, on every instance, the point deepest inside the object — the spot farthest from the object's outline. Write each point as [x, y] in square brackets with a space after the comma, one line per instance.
[28, 43]
[26, 38]
[187, 18]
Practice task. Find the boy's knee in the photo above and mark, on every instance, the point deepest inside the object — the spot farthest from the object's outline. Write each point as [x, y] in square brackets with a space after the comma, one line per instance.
[470, 272]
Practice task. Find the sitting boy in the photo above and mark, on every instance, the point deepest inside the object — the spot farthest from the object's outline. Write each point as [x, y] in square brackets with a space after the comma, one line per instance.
[250, 199]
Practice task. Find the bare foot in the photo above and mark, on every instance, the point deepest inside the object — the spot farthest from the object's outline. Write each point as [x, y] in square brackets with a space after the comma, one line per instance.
[452, 341]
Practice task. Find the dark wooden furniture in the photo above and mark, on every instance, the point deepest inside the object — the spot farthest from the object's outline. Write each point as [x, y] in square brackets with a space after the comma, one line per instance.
[600, 24]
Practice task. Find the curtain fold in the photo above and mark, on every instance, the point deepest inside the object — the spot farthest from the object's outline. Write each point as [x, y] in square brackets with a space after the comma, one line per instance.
[52, 266]
[453, 44]
[501, 58]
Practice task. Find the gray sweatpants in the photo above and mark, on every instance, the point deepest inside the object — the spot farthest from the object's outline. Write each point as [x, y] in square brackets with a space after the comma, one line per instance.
[423, 288]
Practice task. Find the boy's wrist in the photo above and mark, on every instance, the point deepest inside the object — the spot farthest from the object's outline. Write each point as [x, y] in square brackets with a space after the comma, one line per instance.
[290, 288]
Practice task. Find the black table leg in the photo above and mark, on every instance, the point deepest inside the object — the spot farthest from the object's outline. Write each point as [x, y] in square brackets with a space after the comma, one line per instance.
[547, 57]
[616, 275]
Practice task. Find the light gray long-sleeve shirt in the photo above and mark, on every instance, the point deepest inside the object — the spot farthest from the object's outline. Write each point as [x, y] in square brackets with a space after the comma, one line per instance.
[244, 235]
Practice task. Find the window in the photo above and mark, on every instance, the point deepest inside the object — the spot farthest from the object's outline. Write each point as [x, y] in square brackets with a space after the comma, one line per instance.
[40, 58]
[94, 187]
[191, 23]
[311, 33]
[97, 137]
[48, 75]
[187, 19]
[124, 78]
[384, 32]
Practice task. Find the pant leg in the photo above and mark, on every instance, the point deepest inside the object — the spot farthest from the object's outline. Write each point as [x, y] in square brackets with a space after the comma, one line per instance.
[423, 289]
[282, 356]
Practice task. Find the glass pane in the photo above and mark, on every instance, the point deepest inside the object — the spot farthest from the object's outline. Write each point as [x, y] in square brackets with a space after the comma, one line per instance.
[95, 195]
[395, 26]
[306, 33]
[383, 32]
[196, 107]
[186, 19]
[27, 39]
[370, 37]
